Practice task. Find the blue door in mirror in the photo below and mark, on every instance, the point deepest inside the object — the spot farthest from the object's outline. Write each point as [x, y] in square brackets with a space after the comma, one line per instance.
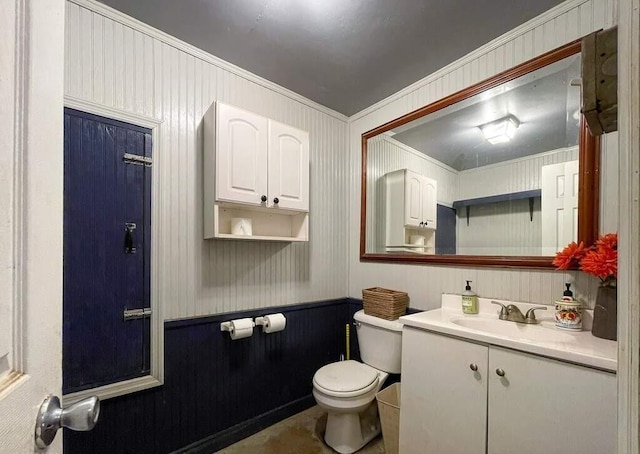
[107, 241]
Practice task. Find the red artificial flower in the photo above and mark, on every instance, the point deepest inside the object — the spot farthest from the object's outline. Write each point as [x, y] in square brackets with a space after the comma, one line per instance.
[608, 241]
[601, 262]
[570, 256]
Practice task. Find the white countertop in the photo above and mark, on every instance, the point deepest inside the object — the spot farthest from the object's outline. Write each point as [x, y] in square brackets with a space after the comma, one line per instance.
[544, 339]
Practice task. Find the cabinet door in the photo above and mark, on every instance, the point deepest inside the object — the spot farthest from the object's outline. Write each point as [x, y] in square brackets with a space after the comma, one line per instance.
[546, 406]
[429, 194]
[288, 167]
[412, 199]
[241, 155]
[443, 405]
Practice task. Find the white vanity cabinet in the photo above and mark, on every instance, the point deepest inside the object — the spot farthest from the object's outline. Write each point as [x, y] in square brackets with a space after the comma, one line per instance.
[471, 398]
[443, 406]
[256, 169]
[410, 201]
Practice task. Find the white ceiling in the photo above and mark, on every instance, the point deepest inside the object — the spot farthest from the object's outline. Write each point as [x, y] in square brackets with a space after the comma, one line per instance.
[344, 54]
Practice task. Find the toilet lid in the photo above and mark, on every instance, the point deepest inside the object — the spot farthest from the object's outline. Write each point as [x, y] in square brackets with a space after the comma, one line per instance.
[345, 376]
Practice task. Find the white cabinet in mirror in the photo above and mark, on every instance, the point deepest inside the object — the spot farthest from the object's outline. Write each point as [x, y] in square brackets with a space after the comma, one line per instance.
[409, 211]
[256, 177]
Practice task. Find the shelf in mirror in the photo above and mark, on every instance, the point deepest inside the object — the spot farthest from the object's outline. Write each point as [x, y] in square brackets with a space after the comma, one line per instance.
[512, 196]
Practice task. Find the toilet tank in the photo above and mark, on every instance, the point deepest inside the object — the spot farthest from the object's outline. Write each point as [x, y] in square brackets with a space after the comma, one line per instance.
[380, 342]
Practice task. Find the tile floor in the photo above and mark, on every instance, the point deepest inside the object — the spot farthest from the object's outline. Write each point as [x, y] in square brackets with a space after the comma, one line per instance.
[300, 434]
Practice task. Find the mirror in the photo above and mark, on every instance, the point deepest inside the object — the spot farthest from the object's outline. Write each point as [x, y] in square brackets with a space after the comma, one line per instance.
[502, 173]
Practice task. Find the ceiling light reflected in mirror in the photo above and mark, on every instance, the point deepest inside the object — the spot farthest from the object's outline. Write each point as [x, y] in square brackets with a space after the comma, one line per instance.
[501, 130]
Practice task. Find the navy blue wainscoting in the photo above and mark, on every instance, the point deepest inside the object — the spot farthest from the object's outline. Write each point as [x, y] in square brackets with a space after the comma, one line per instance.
[218, 391]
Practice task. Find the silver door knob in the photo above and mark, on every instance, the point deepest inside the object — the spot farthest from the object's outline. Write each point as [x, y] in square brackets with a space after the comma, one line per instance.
[500, 372]
[473, 367]
[81, 416]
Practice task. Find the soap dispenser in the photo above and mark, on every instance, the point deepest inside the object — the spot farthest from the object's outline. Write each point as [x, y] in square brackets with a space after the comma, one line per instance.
[469, 300]
[568, 294]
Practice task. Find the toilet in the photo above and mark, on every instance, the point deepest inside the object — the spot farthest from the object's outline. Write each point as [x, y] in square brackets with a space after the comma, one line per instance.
[347, 389]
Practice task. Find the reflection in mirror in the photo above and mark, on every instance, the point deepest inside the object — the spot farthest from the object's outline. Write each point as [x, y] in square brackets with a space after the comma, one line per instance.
[493, 174]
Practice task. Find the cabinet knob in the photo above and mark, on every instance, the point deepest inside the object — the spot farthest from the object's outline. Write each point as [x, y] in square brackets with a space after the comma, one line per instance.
[500, 372]
[421, 224]
[473, 367]
[276, 200]
[263, 198]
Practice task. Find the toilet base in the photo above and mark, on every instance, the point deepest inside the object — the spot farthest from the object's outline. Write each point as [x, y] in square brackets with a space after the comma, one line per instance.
[348, 432]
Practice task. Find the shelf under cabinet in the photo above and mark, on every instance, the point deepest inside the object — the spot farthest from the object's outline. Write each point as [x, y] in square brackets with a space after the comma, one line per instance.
[267, 224]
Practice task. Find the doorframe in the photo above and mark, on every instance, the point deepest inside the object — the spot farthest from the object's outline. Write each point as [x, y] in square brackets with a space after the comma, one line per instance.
[156, 373]
[628, 226]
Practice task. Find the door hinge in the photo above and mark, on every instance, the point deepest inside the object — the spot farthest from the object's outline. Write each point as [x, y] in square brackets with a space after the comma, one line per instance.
[130, 158]
[132, 314]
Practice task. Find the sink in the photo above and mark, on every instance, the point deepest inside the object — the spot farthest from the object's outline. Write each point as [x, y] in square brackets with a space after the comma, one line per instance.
[521, 331]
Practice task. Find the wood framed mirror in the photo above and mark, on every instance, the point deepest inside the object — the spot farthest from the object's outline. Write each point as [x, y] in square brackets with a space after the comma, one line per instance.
[503, 173]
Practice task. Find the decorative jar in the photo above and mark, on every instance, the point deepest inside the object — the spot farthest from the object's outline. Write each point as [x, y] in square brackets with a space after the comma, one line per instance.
[568, 315]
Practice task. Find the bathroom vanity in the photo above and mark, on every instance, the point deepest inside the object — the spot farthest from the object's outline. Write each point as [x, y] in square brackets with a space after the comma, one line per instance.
[474, 384]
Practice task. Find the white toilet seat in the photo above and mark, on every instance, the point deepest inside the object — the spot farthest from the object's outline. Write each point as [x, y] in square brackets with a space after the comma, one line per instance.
[346, 379]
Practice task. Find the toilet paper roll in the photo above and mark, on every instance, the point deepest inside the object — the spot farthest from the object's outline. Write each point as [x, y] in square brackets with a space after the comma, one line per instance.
[241, 328]
[274, 323]
[241, 226]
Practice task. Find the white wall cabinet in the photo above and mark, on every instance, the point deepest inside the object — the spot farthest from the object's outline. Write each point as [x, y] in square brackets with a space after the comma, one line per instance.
[410, 209]
[288, 167]
[258, 169]
[469, 398]
[240, 154]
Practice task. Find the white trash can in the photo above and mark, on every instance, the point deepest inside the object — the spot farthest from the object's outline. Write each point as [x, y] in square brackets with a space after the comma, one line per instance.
[389, 409]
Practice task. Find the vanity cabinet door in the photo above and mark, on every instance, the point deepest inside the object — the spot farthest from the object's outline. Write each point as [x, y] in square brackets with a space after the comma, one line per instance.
[443, 405]
[241, 158]
[545, 406]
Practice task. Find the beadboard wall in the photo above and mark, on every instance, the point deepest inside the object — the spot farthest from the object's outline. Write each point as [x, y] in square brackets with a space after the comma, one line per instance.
[517, 175]
[560, 25]
[115, 61]
[508, 225]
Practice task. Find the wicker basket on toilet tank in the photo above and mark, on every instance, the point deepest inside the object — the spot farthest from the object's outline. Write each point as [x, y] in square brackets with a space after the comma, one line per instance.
[384, 303]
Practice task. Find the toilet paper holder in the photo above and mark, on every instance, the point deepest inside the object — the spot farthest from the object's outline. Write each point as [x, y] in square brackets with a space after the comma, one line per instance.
[228, 326]
[265, 323]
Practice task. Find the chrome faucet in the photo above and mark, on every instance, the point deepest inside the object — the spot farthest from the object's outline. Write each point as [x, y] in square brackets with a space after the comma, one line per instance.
[512, 313]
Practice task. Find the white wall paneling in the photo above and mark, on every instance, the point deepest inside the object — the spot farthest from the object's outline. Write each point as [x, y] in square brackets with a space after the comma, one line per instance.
[564, 23]
[115, 61]
[517, 175]
[506, 225]
[628, 260]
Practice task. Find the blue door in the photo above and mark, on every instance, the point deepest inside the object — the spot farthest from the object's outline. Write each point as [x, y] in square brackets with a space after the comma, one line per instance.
[107, 242]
